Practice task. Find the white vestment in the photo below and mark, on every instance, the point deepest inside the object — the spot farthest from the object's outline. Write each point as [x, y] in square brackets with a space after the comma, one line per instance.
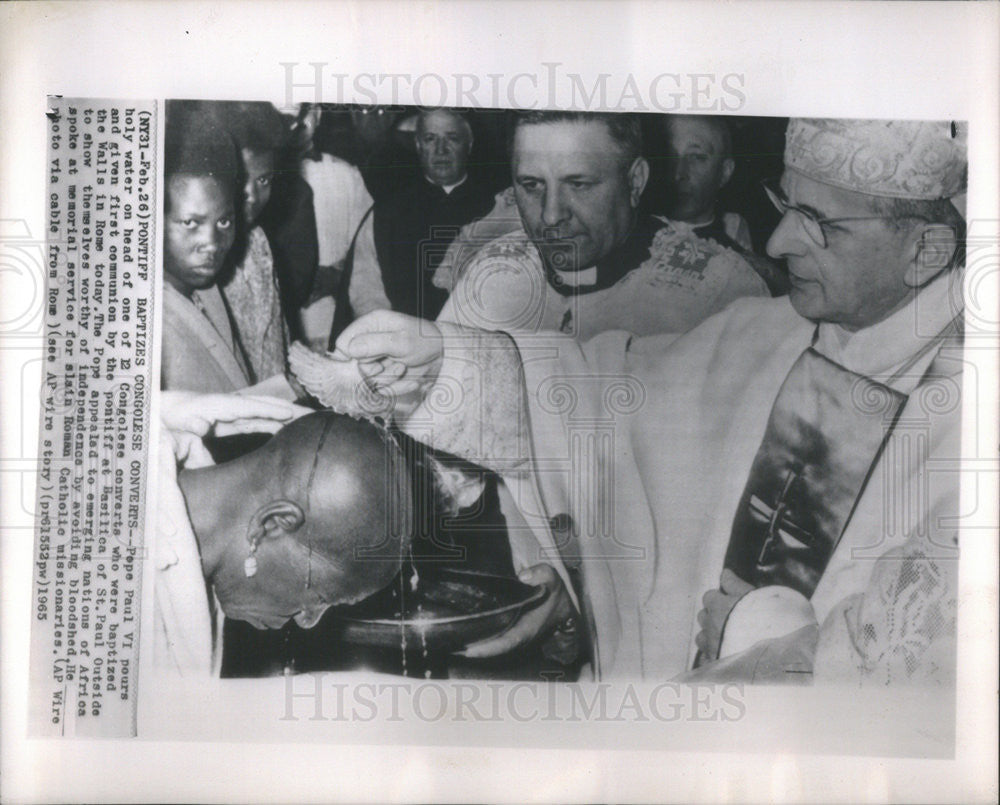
[647, 443]
[681, 281]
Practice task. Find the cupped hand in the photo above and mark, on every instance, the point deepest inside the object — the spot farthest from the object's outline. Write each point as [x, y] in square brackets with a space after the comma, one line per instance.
[717, 606]
[397, 354]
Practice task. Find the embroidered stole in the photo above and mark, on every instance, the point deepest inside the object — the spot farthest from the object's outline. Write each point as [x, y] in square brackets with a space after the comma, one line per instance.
[826, 431]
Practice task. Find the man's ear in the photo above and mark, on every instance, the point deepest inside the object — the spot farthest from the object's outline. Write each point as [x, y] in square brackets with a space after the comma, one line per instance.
[932, 248]
[728, 166]
[638, 175]
[275, 519]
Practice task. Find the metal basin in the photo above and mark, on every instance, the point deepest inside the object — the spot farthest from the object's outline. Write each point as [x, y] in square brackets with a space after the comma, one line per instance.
[449, 610]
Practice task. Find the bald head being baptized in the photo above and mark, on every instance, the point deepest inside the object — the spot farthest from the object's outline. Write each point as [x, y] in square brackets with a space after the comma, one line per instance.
[318, 516]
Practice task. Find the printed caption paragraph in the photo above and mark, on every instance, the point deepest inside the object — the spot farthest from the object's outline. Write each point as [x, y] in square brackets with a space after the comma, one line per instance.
[96, 384]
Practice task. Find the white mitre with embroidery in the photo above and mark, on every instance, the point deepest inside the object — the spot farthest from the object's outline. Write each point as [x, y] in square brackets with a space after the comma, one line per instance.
[917, 160]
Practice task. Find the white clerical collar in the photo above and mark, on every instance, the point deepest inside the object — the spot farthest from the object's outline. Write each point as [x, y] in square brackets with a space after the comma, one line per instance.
[448, 187]
[880, 349]
[686, 226]
[574, 279]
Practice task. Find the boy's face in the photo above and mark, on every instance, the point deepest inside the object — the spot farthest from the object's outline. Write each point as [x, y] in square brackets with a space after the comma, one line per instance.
[199, 231]
[259, 167]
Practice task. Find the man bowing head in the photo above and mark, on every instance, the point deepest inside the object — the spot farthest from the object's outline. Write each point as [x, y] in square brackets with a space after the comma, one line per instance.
[319, 515]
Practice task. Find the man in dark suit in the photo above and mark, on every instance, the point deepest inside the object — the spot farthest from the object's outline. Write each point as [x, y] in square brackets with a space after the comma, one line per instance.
[406, 237]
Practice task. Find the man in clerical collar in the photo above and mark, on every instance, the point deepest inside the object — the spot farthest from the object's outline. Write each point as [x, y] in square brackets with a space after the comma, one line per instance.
[401, 243]
[872, 240]
[444, 142]
[700, 164]
[582, 258]
[577, 182]
[788, 455]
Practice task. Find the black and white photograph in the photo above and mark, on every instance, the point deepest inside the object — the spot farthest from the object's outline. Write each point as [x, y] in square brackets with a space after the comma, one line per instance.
[508, 407]
[651, 473]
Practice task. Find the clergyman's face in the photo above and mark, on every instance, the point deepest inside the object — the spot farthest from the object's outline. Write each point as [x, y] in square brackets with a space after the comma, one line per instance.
[858, 279]
[443, 146]
[699, 169]
[576, 196]
[199, 231]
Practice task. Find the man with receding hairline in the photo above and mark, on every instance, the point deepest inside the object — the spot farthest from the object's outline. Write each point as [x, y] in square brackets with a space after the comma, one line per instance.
[584, 259]
[700, 164]
[402, 241]
[793, 457]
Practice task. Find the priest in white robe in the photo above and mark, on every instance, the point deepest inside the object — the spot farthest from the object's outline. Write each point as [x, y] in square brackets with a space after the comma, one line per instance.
[782, 479]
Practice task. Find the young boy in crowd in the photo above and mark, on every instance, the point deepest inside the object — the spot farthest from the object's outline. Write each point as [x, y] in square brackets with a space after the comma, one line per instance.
[223, 331]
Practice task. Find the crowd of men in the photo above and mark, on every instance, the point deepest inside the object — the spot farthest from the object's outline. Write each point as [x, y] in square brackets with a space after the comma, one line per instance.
[699, 449]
